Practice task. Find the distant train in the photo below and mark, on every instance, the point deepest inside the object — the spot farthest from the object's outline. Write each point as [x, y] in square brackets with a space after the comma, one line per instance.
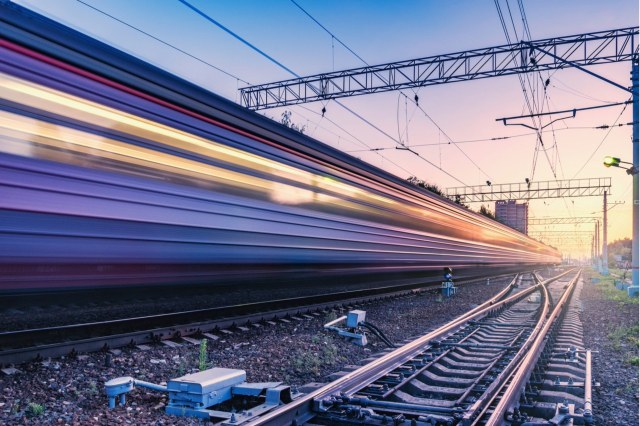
[116, 173]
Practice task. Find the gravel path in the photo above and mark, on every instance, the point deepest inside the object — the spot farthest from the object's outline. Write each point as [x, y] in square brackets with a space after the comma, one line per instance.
[71, 391]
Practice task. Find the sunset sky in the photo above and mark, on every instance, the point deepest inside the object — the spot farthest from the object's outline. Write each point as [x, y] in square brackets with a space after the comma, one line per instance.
[386, 31]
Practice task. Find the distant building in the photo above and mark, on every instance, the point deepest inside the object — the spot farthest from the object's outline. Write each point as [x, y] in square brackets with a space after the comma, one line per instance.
[513, 214]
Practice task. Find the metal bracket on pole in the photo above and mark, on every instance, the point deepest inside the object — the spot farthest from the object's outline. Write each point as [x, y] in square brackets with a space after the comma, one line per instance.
[574, 65]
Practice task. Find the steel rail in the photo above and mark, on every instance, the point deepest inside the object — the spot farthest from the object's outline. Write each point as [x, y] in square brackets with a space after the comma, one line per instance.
[301, 409]
[154, 328]
[511, 394]
[588, 406]
[482, 405]
[197, 314]
[489, 394]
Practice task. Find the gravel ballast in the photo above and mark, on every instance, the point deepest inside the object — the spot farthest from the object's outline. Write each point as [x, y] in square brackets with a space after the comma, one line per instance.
[71, 390]
[610, 323]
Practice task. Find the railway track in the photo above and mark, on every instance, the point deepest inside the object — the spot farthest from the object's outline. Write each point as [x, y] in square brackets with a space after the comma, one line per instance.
[49, 342]
[471, 371]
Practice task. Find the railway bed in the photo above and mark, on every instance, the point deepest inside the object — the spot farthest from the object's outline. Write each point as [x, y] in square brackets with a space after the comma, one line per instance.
[38, 310]
[32, 344]
[284, 351]
[272, 352]
[467, 372]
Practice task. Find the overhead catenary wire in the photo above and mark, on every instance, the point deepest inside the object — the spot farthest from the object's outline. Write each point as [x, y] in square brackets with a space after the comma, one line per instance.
[253, 47]
[256, 49]
[451, 140]
[539, 105]
[602, 141]
[574, 91]
[530, 103]
[236, 36]
[237, 78]
[501, 138]
[163, 42]
[544, 94]
[357, 139]
[399, 141]
[329, 32]
[525, 23]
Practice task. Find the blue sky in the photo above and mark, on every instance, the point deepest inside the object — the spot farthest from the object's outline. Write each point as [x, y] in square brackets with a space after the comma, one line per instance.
[385, 31]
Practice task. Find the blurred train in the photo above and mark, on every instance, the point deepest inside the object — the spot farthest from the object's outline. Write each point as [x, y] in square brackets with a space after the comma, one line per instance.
[115, 173]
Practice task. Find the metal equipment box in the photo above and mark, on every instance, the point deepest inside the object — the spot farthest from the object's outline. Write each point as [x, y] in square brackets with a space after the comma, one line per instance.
[355, 317]
[206, 388]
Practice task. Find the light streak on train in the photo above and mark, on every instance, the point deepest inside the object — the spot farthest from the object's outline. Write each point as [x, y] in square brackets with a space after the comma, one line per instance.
[114, 173]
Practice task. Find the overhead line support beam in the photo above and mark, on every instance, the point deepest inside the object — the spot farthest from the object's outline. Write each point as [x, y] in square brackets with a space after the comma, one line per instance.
[532, 190]
[533, 221]
[575, 65]
[548, 54]
[564, 111]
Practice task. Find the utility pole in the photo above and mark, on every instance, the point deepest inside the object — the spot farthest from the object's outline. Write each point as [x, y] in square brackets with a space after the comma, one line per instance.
[598, 263]
[605, 252]
[635, 248]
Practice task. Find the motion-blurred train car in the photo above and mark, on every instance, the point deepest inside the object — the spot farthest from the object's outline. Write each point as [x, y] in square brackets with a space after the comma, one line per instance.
[116, 173]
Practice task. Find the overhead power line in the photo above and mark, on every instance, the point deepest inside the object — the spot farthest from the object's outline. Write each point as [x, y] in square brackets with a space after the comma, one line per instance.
[247, 43]
[334, 37]
[501, 138]
[328, 32]
[219, 69]
[163, 42]
[234, 35]
[603, 139]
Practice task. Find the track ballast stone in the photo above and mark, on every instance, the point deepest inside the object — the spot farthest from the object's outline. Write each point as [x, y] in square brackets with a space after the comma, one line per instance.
[71, 390]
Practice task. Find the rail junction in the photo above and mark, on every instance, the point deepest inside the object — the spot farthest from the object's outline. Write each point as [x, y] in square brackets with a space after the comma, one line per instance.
[517, 359]
[470, 371]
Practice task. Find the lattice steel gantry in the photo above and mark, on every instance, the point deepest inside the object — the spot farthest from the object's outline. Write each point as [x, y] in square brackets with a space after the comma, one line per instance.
[576, 51]
[532, 190]
[548, 54]
[534, 221]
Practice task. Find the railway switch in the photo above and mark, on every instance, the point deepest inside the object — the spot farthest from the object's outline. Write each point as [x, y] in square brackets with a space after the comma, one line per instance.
[200, 394]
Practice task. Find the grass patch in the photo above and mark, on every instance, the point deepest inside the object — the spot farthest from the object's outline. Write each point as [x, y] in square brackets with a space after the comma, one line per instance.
[610, 292]
[202, 355]
[323, 352]
[624, 336]
[34, 409]
[632, 360]
[330, 317]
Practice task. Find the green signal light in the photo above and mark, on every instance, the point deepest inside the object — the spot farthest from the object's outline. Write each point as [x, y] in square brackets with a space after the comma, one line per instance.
[611, 161]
